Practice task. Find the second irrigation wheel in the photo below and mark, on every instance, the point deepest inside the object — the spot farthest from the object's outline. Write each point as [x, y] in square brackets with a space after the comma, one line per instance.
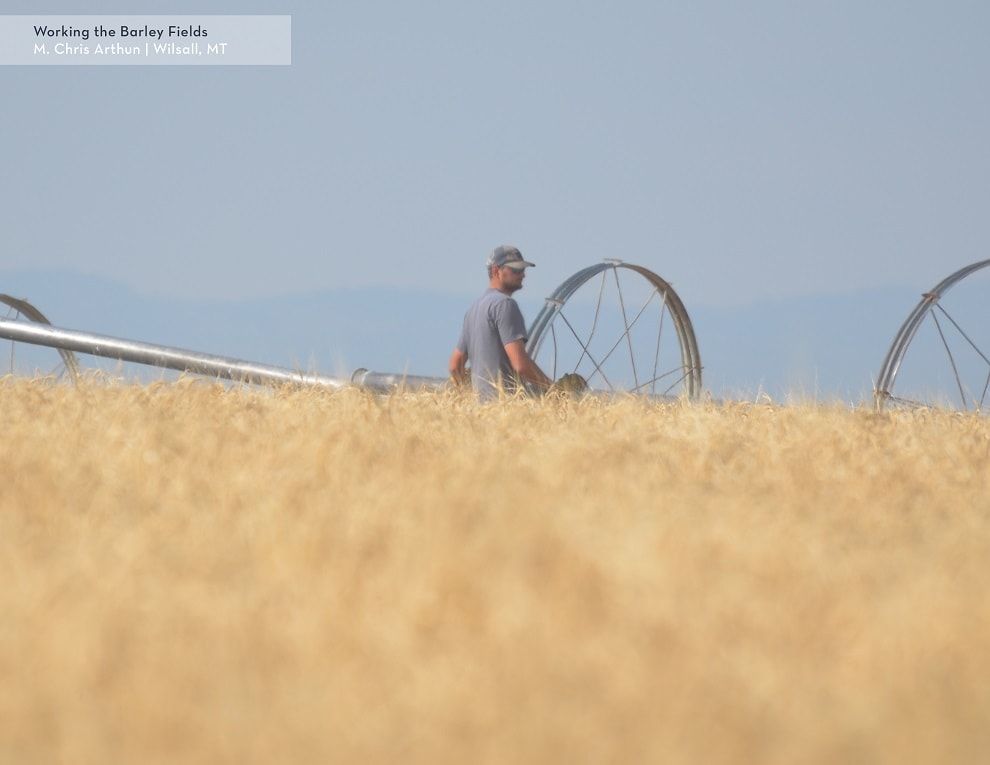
[941, 354]
[622, 328]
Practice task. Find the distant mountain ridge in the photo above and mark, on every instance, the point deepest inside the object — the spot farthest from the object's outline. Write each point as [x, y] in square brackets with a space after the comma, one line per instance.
[823, 348]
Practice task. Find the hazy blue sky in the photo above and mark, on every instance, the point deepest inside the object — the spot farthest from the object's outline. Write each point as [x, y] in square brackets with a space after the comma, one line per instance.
[743, 151]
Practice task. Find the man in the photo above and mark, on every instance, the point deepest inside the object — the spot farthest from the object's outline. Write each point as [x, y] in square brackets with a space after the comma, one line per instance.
[493, 337]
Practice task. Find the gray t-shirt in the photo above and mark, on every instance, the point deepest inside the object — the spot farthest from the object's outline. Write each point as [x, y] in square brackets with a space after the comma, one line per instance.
[493, 321]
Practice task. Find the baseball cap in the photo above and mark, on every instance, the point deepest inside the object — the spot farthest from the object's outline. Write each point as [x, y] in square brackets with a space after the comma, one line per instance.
[506, 255]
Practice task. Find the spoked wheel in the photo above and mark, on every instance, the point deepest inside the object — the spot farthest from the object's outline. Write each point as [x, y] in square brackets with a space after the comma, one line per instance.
[23, 358]
[622, 328]
[940, 357]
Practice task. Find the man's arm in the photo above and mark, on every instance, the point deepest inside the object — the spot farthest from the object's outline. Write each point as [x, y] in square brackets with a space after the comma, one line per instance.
[525, 367]
[458, 373]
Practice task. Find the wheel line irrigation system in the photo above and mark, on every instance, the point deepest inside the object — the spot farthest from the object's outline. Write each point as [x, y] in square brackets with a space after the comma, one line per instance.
[600, 338]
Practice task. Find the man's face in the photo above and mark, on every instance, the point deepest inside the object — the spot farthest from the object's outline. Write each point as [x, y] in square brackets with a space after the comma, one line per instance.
[512, 278]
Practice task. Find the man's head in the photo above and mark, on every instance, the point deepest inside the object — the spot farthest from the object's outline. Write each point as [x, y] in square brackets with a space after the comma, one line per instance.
[506, 268]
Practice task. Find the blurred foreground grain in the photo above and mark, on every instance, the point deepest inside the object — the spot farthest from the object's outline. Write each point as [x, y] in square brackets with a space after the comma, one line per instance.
[197, 574]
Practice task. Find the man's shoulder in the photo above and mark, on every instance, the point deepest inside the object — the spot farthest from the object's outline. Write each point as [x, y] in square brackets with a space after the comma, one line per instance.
[493, 298]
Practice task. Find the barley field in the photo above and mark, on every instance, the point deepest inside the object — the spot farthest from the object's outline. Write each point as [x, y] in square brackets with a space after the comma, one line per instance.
[199, 573]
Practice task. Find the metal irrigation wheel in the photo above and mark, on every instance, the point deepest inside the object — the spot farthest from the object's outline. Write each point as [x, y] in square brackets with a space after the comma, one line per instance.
[949, 347]
[26, 357]
[622, 328]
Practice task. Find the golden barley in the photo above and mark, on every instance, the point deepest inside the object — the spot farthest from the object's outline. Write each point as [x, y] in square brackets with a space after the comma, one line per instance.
[199, 573]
